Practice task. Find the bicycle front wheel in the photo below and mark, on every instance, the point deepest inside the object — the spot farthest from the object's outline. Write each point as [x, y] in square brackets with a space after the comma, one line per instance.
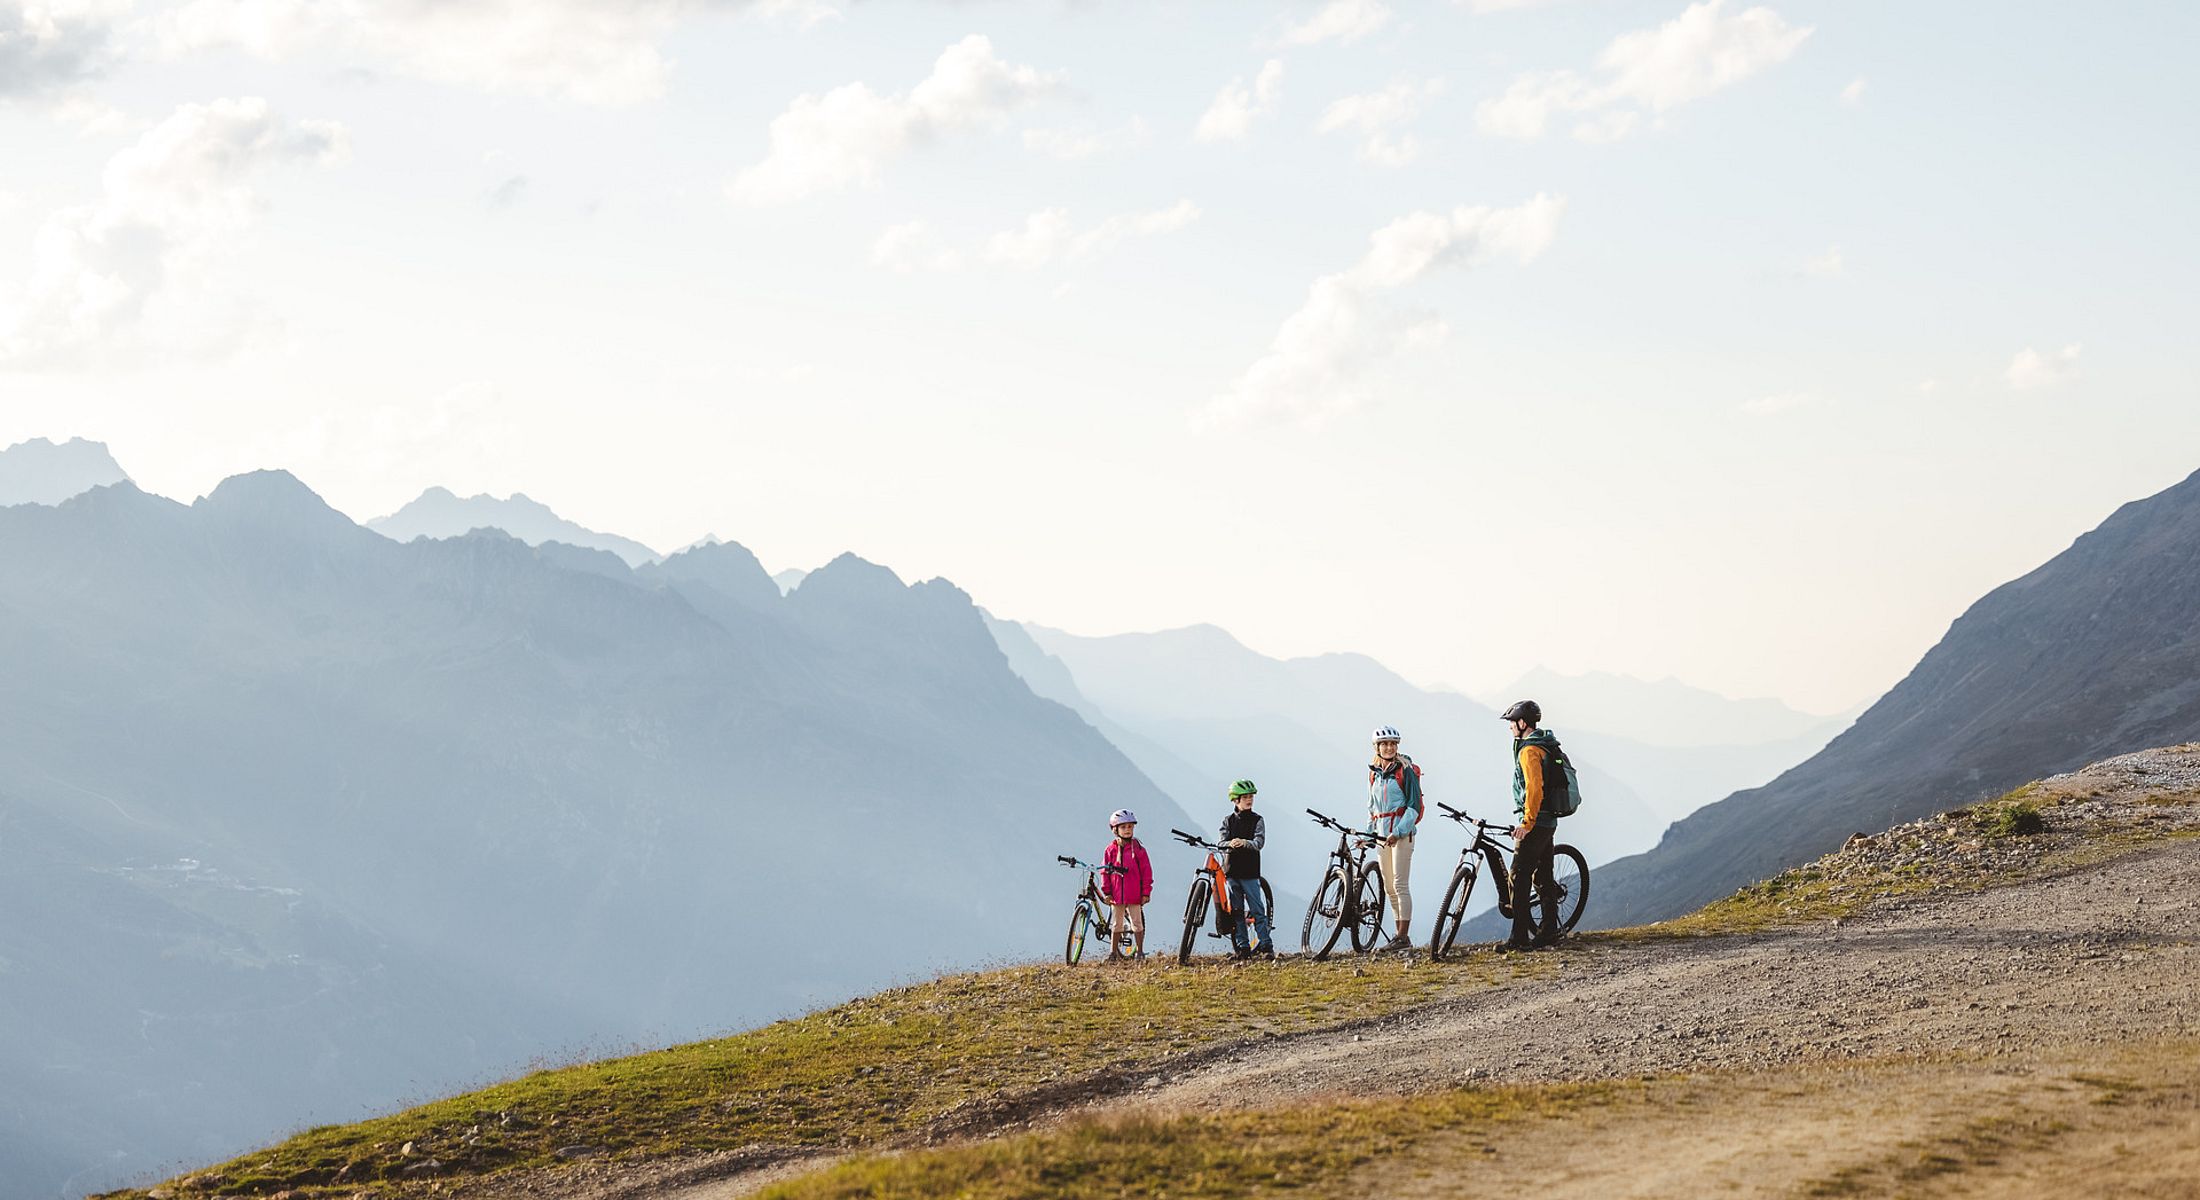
[1453, 914]
[1367, 926]
[1195, 916]
[1324, 916]
[1073, 951]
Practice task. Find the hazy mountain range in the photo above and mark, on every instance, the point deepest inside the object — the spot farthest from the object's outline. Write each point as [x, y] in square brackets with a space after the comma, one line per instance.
[1666, 712]
[43, 472]
[306, 821]
[438, 513]
[2093, 654]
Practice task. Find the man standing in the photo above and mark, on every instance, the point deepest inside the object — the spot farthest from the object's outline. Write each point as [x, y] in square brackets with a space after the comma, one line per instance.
[1393, 812]
[1539, 784]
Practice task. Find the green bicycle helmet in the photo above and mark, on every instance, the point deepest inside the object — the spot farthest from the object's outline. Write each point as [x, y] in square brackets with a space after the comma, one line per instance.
[1243, 787]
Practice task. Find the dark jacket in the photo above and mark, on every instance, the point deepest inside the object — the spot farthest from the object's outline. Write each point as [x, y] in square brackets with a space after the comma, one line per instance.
[1243, 863]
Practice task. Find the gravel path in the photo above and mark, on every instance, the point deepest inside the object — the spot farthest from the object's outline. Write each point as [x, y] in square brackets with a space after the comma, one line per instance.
[2102, 955]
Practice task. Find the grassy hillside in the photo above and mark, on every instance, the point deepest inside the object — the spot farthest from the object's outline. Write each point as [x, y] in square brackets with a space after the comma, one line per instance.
[890, 1085]
[901, 1065]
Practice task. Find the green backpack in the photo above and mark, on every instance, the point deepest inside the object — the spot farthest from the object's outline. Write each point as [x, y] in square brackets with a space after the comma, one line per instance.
[1561, 786]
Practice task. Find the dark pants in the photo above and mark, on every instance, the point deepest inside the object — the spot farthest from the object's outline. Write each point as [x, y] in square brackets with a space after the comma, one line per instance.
[1533, 861]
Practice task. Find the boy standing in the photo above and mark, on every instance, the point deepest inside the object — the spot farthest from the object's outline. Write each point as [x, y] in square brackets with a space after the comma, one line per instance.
[1243, 835]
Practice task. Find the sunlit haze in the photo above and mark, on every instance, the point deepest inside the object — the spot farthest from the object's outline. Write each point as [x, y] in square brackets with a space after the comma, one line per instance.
[1746, 345]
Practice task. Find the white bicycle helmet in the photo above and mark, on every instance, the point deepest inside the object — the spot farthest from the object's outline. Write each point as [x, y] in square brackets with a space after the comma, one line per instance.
[1384, 733]
[1122, 816]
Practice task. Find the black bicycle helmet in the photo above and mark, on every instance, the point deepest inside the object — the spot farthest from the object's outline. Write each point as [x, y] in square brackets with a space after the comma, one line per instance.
[1525, 710]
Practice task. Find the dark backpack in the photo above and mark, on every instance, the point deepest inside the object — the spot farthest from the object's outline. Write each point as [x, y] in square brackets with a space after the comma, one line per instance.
[1561, 786]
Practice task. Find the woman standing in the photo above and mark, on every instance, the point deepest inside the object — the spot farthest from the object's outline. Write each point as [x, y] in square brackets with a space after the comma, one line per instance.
[1393, 813]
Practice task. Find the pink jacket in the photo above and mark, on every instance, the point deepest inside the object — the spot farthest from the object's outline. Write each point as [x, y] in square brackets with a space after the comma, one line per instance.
[1135, 884]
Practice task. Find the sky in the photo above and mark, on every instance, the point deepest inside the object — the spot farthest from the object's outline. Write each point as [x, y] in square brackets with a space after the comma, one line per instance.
[1746, 344]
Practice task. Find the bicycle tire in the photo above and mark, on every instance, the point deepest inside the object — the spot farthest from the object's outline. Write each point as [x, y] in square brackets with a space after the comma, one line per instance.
[1330, 903]
[1573, 885]
[1195, 916]
[1080, 920]
[1367, 923]
[1453, 915]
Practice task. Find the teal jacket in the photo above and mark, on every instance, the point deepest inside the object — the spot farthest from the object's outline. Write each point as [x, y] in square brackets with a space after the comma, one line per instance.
[1394, 799]
[1544, 819]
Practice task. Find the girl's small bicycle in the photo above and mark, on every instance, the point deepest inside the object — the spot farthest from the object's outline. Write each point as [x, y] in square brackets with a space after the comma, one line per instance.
[1208, 886]
[1569, 870]
[1350, 896]
[1093, 914]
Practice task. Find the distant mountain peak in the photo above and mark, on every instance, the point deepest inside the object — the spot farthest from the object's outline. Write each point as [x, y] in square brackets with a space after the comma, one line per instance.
[439, 513]
[849, 574]
[41, 471]
[726, 567]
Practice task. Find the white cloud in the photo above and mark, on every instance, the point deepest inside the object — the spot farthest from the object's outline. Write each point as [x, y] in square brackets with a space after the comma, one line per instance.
[913, 246]
[1231, 115]
[1049, 235]
[844, 137]
[1853, 95]
[1825, 266]
[47, 46]
[1070, 145]
[591, 51]
[168, 202]
[1319, 359]
[1377, 116]
[2031, 370]
[1650, 70]
[1343, 20]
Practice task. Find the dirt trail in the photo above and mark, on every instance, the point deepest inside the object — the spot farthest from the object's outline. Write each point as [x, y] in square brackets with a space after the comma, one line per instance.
[2106, 955]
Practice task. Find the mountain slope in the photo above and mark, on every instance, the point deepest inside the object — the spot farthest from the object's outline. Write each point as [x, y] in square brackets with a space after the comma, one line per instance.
[452, 805]
[2094, 653]
[438, 513]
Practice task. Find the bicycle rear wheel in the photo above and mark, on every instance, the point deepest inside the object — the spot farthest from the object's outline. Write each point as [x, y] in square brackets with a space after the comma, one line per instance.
[1453, 914]
[1570, 871]
[1073, 951]
[1367, 927]
[1324, 916]
[1195, 916]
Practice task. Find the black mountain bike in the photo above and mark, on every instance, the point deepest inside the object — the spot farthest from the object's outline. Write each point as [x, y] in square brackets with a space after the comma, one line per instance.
[1350, 896]
[1094, 914]
[1569, 870]
[1204, 884]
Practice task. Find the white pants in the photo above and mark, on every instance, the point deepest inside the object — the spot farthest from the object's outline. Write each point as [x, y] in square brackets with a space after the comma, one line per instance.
[1397, 860]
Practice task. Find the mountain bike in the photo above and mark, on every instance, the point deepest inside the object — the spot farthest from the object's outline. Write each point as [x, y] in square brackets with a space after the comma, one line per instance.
[1350, 896]
[1569, 870]
[1208, 886]
[1093, 913]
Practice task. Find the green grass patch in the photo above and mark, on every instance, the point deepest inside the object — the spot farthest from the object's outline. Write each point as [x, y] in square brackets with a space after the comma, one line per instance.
[2013, 818]
[865, 1073]
[1308, 1147]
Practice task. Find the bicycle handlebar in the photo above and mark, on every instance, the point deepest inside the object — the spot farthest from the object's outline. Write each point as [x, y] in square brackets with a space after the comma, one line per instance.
[1463, 818]
[1193, 839]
